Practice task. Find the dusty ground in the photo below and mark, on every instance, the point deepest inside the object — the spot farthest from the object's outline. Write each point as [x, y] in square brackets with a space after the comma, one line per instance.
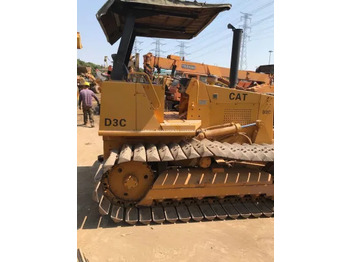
[102, 240]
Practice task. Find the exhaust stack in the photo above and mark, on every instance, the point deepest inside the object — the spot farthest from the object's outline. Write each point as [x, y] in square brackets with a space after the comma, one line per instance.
[236, 48]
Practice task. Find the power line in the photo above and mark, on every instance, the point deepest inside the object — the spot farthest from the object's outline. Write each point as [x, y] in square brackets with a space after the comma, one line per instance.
[261, 7]
[209, 33]
[246, 6]
[263, 31]
[219, 49]
[261, 37]
[262, 20]
[211, 44]
[216, 34]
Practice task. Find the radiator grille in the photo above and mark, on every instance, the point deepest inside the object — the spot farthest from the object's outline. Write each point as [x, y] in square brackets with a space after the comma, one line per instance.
[242, 116]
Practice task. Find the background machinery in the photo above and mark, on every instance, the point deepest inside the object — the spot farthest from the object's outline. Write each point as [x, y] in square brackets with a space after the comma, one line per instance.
[216, 162]
[258, 81]
[84, 73]
[79, 45]
[201, 71]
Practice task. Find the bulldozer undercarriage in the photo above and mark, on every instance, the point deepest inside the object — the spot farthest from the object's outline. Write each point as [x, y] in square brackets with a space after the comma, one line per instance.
[187, 180]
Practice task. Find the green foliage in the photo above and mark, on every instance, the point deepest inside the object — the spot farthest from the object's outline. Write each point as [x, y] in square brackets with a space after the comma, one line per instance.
[92, 65]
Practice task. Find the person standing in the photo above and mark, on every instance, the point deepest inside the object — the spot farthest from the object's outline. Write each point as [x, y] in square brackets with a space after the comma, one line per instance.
[85, 98]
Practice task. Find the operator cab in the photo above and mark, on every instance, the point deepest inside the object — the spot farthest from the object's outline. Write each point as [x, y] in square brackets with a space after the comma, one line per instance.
[125, 20]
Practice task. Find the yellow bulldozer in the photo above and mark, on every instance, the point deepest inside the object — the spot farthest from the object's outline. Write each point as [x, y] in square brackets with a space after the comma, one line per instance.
[216, 163]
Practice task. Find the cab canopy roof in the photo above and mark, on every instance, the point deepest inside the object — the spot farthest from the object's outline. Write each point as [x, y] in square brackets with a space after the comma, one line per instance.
[172, 19]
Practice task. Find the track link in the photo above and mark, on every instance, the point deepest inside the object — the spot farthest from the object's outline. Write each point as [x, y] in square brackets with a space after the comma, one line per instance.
[196, 211]
[186, 150]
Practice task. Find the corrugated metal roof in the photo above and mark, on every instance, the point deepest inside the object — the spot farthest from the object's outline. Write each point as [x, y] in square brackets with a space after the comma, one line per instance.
[172, 19]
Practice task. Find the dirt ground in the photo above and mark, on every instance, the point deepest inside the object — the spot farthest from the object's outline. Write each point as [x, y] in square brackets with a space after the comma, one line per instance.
[102, 240]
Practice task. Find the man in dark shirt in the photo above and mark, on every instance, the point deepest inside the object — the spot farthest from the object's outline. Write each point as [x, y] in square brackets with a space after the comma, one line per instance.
[85, 98]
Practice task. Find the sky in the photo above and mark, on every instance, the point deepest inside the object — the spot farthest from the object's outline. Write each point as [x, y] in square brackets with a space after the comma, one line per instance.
[212, 46]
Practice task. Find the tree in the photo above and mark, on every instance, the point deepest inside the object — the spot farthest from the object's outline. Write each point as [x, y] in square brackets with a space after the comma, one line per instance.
[89, 64]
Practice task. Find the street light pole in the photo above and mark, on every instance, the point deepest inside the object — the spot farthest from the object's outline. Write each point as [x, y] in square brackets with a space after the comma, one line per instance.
[270, 55]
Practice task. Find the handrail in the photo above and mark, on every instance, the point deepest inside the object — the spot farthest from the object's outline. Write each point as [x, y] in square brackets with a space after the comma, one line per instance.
[150, 83]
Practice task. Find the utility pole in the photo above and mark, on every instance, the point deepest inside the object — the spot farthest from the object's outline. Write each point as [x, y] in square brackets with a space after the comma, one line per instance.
[245, 26]
[136, 49]
[105, 65]
[182, 52]
[157, 50]
[270, 55]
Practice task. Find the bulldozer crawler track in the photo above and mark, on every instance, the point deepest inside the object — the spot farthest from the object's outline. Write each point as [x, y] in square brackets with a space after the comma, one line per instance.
[197, 210]
[195, 149]
[187, 150]
[182, 212]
